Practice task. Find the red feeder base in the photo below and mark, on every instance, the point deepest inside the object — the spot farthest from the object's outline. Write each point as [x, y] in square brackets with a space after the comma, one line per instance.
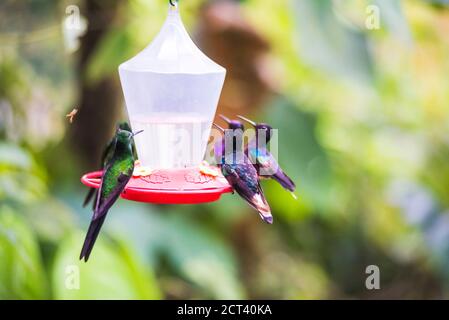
[180, 186]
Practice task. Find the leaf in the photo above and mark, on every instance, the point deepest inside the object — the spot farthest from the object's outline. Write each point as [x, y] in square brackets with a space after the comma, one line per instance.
[302, 157]
[229, 208]
[438, 3]
[115, 48]
[327, 44]
[195, 253]
[202, 258]
[21, 271]
[394, 19]
[50, 219]
[14, 157]
[22, 180]
[109, 273]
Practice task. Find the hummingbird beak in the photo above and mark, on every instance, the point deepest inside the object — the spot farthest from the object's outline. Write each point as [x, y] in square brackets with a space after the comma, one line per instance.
[218, 127]
[136, 133]
[225, 118]
[247, 120]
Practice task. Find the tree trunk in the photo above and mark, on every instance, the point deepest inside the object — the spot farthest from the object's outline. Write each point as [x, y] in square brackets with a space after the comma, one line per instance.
[99, 102]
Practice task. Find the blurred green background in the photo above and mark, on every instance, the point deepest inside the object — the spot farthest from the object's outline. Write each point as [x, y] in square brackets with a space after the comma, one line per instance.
[363, 117]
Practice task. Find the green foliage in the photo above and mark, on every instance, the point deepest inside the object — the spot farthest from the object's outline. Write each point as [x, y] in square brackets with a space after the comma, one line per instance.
[21, 271]
[393, 19]
[113, 272]
[12, 82]
[327, 44]
[21, 179]
[115, 48]
[439, 3]
[307, 162]
[50, 218]
[195, 253]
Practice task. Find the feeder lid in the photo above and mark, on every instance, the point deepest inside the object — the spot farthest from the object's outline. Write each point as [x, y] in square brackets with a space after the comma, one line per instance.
[172, 51]
[169, 186]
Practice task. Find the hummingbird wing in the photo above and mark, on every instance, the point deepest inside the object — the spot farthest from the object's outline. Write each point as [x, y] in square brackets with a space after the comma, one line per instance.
[91, 237]
[101, 209]
[108, 152]
[105, 156]
[268, 167]
[284, 180]
[244, 180]
[105, 204]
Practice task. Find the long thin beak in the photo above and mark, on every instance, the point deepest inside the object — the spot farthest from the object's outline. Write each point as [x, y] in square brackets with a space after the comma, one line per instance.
[136, 133]
[218, 127]
[225, 118]
[247, 120]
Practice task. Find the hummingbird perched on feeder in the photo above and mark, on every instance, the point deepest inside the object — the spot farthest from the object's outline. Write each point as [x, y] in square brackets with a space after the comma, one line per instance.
[116, 174]
[106, 156]
[233, 124]
[237, 129]
[242, 176]
[262, 159]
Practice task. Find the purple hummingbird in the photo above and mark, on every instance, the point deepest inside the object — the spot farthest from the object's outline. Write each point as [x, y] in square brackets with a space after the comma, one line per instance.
[265, 163]
[233, 124]
[237, 130]
[241, 175]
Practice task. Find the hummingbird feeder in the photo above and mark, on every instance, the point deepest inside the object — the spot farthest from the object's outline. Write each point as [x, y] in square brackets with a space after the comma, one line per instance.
[171, 91]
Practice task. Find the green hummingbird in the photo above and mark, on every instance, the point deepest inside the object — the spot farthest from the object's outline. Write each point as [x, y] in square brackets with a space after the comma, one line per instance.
[116, 174]
[106, 156]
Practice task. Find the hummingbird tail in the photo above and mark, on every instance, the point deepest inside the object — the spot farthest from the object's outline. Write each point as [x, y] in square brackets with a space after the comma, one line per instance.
[91, 237]
[89, 196]
[284, 180]
[261, 205]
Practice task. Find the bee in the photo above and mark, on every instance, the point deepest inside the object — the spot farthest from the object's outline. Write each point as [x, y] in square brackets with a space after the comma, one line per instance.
[71, 115]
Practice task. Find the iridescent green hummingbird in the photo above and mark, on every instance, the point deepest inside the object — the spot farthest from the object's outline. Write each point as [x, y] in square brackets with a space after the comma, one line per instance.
[116, 174]
[106, 156]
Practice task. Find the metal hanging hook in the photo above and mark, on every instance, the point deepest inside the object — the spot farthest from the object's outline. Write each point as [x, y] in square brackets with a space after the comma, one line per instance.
[173, 3]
